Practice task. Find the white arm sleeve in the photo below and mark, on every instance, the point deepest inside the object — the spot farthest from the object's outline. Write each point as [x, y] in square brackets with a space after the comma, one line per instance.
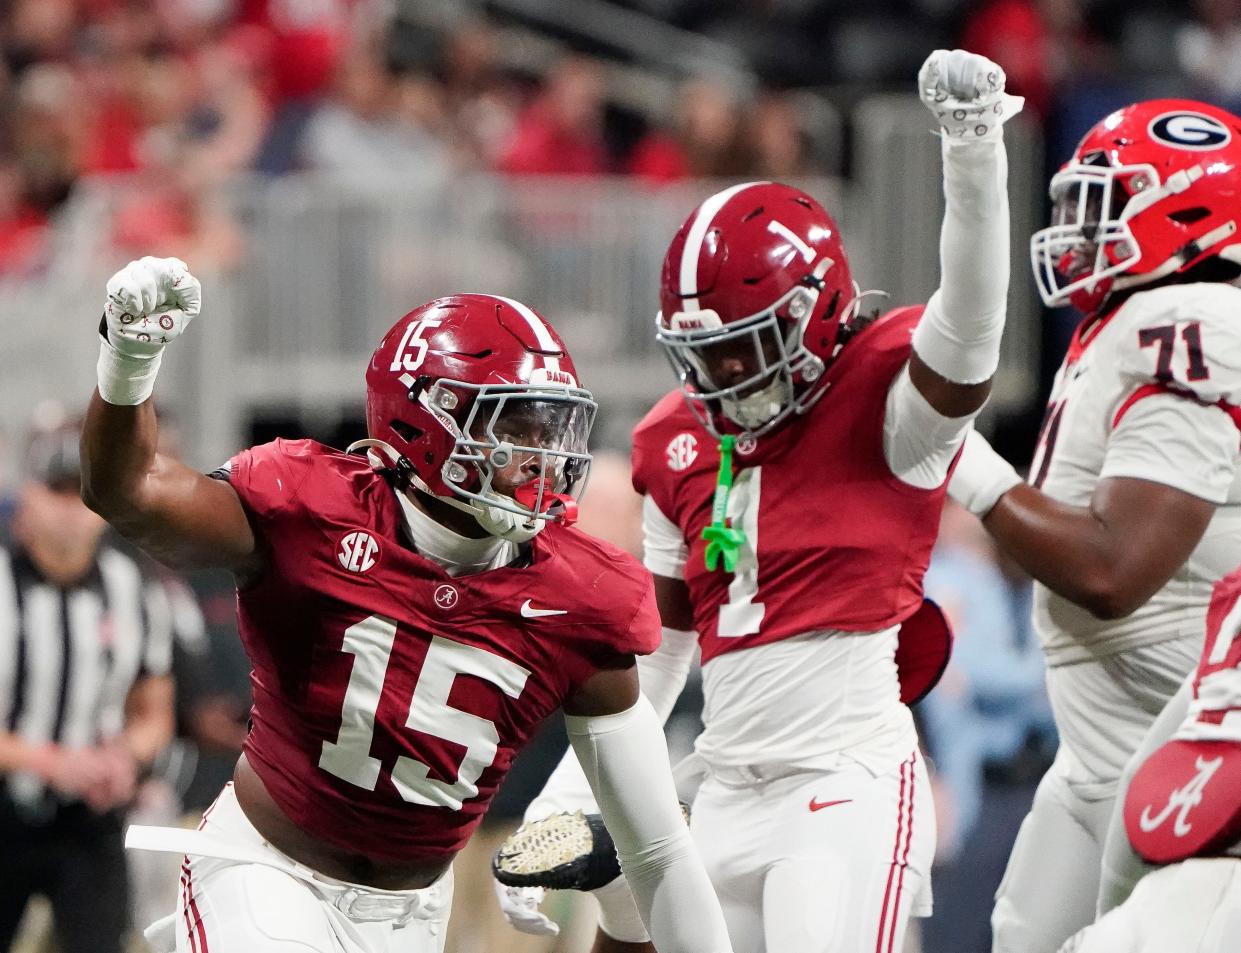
[663, 547]
[1122, 868]
[1203, 441]
[958, 336]
[662, 675]
[919, 442]
[626, 761]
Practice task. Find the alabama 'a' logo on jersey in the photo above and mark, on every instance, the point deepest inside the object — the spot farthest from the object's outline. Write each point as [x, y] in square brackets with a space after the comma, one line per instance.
[357, 552]
[682, 451]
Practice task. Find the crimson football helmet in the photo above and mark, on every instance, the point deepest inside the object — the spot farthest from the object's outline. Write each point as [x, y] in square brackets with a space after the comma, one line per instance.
[1151, 191]
[754, 291]
[475, 400]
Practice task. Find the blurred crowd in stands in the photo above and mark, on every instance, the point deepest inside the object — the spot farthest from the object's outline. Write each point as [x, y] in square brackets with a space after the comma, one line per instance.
[188, 94]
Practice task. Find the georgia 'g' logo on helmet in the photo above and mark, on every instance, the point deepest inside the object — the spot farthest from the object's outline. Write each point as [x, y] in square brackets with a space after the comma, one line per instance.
[1189, 130]
[1151, 191]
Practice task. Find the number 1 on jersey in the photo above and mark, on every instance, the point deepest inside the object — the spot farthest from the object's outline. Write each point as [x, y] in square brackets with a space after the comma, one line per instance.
[741, 615]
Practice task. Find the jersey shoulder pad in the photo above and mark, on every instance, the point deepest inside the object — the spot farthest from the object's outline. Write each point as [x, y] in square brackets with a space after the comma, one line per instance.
[890, 330]
[278, 476]
[669, 427]
[1184, 337]
[611, 592]
[669, 412]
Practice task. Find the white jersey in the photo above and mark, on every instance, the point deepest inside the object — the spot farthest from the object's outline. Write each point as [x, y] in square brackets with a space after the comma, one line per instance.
[1151, 393]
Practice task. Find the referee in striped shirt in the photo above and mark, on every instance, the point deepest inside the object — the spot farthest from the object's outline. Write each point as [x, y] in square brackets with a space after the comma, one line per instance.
[85, 704]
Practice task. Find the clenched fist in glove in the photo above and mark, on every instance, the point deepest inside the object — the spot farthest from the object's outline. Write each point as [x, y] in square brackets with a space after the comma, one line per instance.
[150, 302]
[965, 91]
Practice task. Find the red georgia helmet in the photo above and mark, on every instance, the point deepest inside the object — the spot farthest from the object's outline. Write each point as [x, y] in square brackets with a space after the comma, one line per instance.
[466, 386]
[759, 264]
[1151, 191]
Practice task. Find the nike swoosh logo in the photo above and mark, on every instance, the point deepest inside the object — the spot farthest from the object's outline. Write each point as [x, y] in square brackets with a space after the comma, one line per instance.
[819, 805]
[529, 612]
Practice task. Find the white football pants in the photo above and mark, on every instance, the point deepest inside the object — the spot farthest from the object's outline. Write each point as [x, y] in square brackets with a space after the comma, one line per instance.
[1103, 709]
[1190, 907]
[226, 906]
[815, 861]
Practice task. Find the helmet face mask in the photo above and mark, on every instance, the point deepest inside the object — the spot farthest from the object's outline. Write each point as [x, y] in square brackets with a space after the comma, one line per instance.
[476, 401]
[754, 291]
[1089, 241]
[522, 450]
[748, 369]
[1150, 192]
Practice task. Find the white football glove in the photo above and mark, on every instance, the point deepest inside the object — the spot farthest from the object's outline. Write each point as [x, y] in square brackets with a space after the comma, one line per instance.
[982, 476]
[965, 92]
[520, 906]
[150, 303]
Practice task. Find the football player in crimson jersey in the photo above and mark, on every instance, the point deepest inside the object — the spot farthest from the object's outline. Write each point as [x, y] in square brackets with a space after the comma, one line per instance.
[825, 443]
[1181, 797]
[1133, 508]
[412, 615]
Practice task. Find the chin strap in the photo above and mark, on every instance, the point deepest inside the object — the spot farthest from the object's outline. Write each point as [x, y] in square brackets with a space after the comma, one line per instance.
[723, 540]
[398, 464]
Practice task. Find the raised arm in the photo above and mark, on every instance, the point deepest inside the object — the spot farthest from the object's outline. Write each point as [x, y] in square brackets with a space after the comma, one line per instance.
[181, 517]
[957, 342]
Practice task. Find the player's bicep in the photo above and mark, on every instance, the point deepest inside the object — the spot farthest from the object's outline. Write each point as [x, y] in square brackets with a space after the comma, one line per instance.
[949, 398]
[192, 521]
[672, 598]
[607, 692]
[1154, 528]
[919, 442]
[1169, 461]
[664, 551]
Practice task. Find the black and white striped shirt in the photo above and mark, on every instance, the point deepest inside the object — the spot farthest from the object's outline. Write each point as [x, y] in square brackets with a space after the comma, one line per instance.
[69, 655]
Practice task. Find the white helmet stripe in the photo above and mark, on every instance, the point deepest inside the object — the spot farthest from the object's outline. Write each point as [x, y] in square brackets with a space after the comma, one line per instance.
[542, 333]
[693, 242]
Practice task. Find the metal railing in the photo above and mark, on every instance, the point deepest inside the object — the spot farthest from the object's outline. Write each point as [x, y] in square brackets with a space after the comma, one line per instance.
[325, 269]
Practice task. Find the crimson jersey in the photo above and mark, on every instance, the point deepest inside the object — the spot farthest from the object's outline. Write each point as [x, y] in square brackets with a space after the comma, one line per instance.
[835, 539]
[389, 697]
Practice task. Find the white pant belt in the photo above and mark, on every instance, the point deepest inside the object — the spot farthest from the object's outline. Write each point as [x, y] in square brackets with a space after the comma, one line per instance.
[356, 902]
[180, 840]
